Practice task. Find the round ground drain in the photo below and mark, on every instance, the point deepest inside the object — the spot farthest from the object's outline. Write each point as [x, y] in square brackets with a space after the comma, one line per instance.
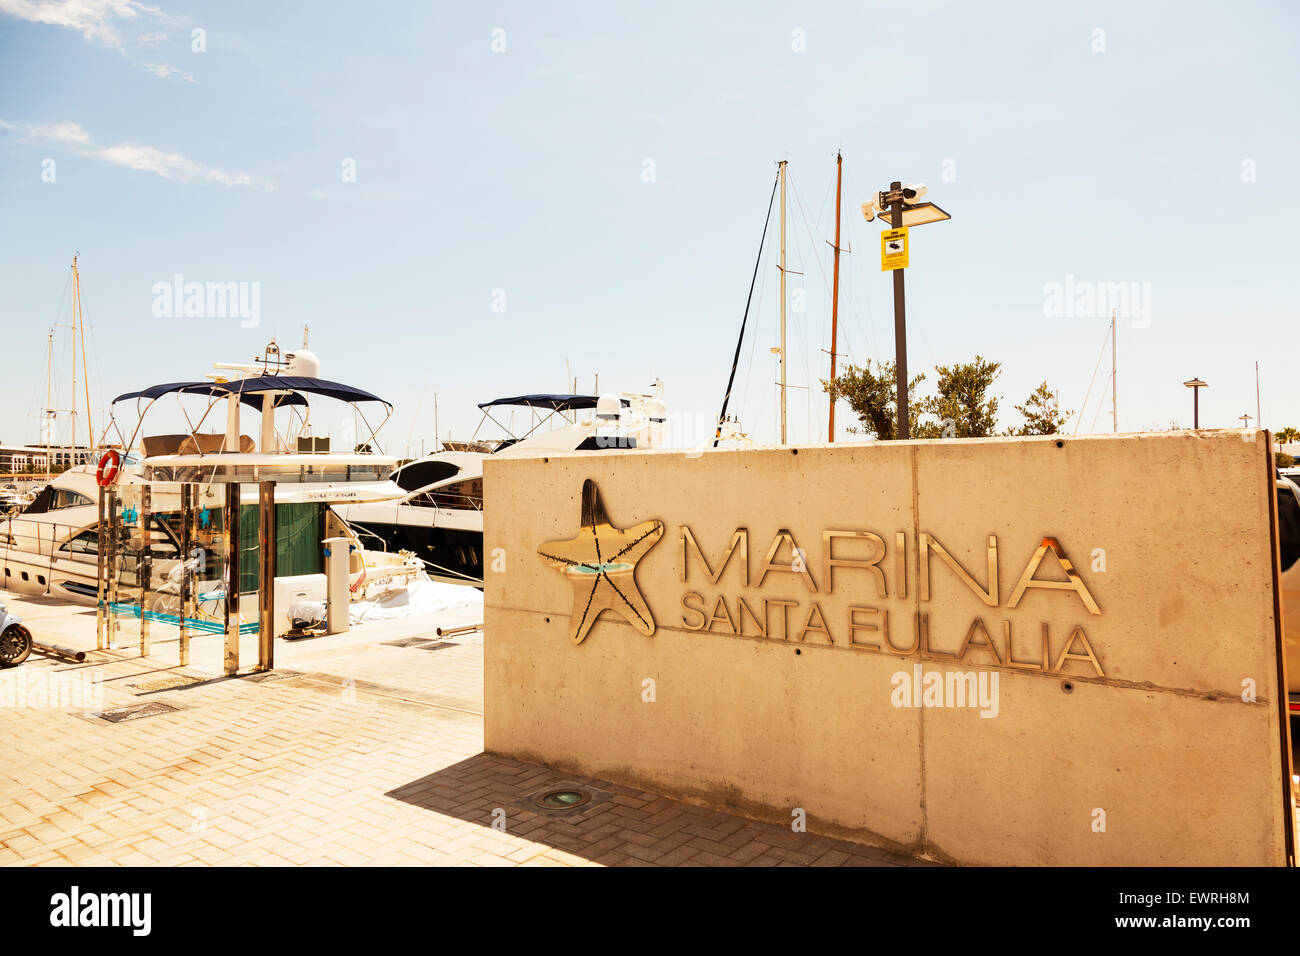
[562, 799]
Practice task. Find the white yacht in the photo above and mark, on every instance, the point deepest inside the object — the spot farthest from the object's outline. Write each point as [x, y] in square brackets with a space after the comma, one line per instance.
[439, 517]
[52, 546]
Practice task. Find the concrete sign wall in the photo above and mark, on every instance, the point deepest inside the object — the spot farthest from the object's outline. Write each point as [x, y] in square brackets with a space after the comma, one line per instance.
[1003, 651]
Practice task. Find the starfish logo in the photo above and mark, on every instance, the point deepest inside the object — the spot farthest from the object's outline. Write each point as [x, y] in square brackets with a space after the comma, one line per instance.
[600, 563]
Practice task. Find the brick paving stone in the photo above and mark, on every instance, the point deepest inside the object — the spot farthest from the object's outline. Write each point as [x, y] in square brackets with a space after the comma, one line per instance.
[637, 838]
[649, 854]
[706, 845]
[788, 856]
[298, 772]
[678, 856]
[831, 858]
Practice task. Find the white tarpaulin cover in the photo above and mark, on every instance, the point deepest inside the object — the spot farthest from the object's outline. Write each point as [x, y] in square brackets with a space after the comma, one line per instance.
[419, 597]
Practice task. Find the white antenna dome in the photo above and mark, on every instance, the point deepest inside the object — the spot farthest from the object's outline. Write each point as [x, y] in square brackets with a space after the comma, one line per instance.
[302, 364]
[609, 408]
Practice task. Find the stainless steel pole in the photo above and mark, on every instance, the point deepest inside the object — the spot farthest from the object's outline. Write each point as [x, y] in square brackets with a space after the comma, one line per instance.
[146, 572]
[232, 579]
[266, 579]
[187, 590]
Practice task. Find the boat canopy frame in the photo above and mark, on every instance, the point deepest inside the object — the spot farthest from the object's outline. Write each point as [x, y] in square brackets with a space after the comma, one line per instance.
[552, 404]
[250, 391]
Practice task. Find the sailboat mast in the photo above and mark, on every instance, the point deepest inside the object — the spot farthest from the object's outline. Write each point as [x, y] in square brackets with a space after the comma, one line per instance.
[75, 293]
[835, 293]
[85, 369]
[1259, 421]
[1114, 376]
[47, 426]
[781, 170]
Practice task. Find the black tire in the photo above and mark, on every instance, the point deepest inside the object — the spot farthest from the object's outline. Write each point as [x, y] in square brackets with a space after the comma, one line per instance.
[15, 645]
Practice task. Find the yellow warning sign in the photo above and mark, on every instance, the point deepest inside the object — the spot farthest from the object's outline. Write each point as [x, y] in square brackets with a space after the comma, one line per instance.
[893, 249]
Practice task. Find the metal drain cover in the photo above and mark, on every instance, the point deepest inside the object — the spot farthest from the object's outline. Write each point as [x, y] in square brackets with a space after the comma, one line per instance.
[265, 676]
[167, 683]
[136, 713]
[561, 799]
[420, 643]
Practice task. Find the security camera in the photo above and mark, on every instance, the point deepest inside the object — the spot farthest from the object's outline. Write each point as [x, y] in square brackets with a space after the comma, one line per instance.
[913, 191]
[874, 206]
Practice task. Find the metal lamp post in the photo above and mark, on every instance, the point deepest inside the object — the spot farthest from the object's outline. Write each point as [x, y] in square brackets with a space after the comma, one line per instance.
[898, 204]
[1196, 385]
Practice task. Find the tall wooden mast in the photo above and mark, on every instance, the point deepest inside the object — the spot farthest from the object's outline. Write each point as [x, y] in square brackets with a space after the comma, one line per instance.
[782, 267]
[78, 327]
[47, 416]
[835, 293]
[1114, 375]
[75, 292]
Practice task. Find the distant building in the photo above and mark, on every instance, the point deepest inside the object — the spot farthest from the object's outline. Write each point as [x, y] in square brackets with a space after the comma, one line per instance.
[17, 459]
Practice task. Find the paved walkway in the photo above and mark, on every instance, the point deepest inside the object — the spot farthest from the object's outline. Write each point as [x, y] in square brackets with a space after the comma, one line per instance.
[356, 751]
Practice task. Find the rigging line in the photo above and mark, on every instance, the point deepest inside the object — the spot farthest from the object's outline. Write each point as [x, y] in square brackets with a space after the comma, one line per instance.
[803, 213]
[1096, 368]
[51, 381]
[847, 334]
[99, 371]
[753, 342]
[57, 382]
[67, 286]
[1092, 429]
[424, 386]
[731, 380]
[802, 317]
[63, 298]
[864, 265]
[856, 310]
[929, 348]
[798, 200]
[761, 307]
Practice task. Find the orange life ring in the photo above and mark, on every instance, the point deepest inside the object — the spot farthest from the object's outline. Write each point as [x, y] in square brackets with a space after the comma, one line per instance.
[105, 477]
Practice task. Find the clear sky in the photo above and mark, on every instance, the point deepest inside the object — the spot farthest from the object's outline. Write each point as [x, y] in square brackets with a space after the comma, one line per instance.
[542, 183]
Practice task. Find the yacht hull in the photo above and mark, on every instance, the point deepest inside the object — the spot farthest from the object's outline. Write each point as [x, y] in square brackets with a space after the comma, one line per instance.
[452, 555]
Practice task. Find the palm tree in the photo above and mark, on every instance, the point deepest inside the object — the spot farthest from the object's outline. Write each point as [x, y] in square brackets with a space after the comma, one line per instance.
[1287, 435]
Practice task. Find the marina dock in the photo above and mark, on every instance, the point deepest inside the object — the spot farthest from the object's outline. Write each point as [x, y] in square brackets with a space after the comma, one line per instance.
[363, 748]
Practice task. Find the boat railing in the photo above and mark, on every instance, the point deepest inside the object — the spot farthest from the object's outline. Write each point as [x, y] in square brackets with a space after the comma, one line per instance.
[57, 540]
[365, 537]
[447, 501]
[323, 472]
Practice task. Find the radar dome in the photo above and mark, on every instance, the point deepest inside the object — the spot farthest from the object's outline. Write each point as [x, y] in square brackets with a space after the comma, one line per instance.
[608, 408]
[302, 364]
